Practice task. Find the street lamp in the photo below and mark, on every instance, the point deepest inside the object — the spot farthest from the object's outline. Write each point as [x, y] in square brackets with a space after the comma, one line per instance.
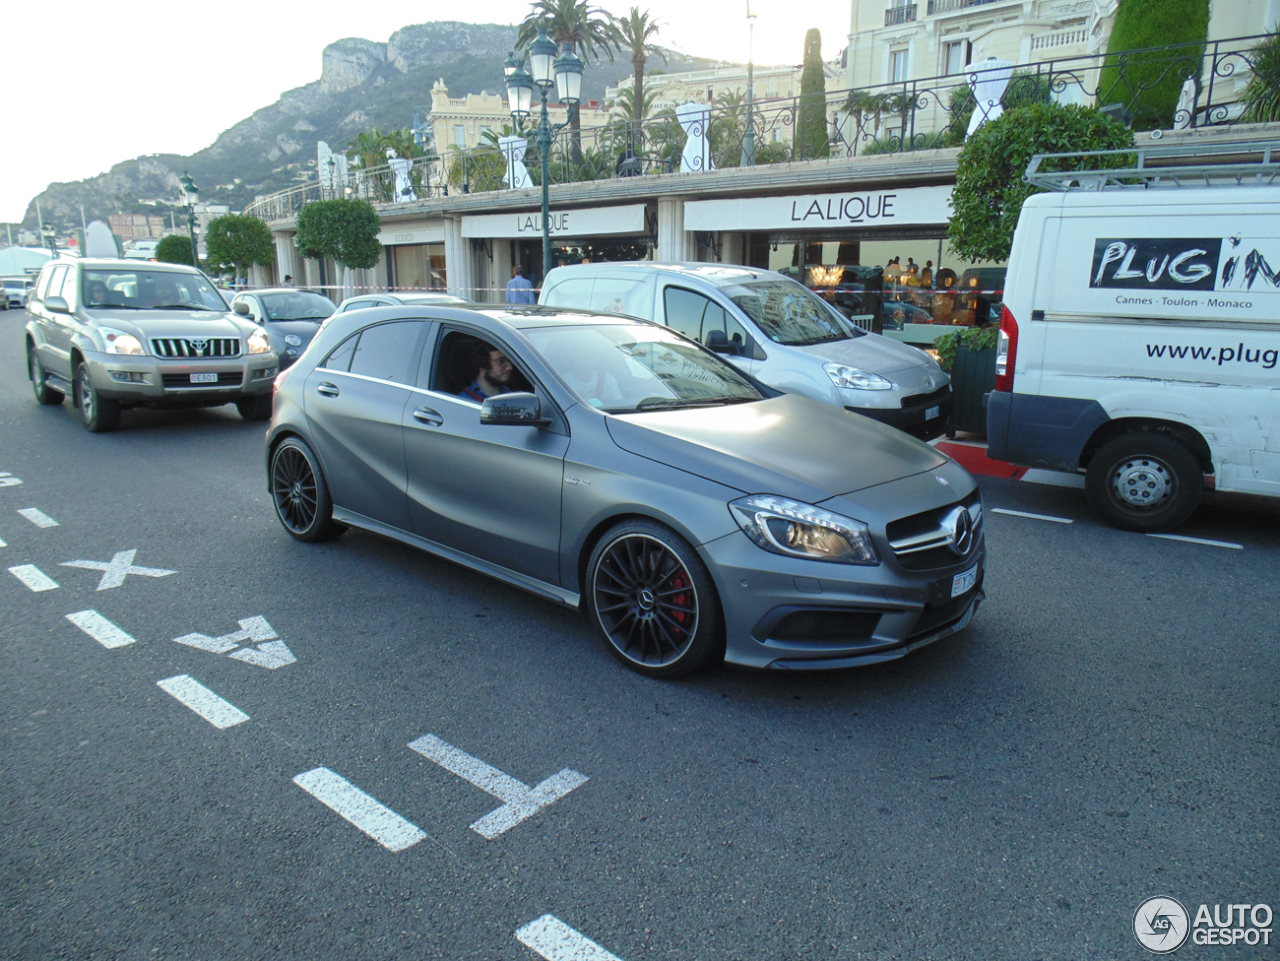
[749, 137]
[545, 71]
[191, 194]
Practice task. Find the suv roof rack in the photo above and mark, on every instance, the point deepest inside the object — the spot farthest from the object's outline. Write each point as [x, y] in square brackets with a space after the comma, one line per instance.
[1188, 165]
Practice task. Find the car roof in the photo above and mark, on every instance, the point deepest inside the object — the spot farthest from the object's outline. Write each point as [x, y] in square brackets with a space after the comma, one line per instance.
[721, 275]
[123, 264]
[518, 317]
[279, 290]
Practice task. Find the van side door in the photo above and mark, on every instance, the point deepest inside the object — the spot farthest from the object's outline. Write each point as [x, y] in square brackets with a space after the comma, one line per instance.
[698, 316]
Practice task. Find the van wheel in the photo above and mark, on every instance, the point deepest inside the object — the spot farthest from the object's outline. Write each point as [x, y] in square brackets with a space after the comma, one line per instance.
[1144, 482]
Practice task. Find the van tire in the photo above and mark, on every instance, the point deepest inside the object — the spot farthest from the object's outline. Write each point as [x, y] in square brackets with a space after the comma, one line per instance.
[1135, 467]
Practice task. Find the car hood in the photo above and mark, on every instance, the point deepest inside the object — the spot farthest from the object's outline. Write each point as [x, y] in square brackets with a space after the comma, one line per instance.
[874, 353]
[173, 323]
[787, 445]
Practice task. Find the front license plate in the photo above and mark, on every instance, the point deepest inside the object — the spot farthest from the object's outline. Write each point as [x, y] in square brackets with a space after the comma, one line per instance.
[932, 412]
[204, 378]
[962, 583]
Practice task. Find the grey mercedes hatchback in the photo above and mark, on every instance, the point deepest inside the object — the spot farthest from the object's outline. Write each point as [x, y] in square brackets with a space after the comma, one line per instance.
[691, 512]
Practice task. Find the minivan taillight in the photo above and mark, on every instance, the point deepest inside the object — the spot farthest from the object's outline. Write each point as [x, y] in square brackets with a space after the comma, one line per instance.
[1006, 351]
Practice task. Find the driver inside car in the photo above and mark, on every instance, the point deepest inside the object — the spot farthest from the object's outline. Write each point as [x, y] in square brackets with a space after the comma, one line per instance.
[493, 374]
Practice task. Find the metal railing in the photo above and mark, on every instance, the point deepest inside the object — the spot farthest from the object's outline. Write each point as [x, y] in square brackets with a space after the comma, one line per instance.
[884, 119]
[947, 6]
[900, 14]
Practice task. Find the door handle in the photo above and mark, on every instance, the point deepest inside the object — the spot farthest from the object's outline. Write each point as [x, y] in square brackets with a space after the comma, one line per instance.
[428, 416]
[328, 389]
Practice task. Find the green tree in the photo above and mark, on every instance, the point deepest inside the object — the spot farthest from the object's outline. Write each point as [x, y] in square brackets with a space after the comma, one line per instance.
[632, 35]
[345, 230]
[990, 191]
[1262, 96]
[239, 242]
[174, 249]
[811, 130]
[1148, 84]
[590, 29]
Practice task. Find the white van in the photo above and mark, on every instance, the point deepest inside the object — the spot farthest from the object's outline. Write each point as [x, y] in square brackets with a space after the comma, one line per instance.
[142, 250]
[775, 329]
[1140, 337]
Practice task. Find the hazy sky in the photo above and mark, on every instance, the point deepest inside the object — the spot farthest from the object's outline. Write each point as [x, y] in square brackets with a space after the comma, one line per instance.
[91, 84]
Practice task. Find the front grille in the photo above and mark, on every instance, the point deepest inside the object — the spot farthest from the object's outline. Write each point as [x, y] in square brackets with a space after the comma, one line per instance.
[842, 628]
[195, 346]
[926, 430]
[184, 380]
[924, 400]
[922, 542]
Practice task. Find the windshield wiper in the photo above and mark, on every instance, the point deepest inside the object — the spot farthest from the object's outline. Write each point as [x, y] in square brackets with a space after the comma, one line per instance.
[178, 307]
[113, 307]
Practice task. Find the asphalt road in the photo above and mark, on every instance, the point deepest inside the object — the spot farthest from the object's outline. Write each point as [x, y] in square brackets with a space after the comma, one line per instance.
[1104, 732]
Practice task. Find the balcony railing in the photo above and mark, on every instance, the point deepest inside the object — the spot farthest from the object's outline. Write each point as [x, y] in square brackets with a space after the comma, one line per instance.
[947, 6]
[885, 119]
[897, 15]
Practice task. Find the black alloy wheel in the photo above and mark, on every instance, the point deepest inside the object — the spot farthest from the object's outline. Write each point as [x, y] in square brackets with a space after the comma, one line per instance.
[98, 414]
[1145, 481]
[44, 393]
[653, 600]
[299, 493]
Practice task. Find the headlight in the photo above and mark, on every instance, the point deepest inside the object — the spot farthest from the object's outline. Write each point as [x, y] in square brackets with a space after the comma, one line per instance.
[797, 529]
[259, 342]
[118, 342]
[843, 376]
[293, 340]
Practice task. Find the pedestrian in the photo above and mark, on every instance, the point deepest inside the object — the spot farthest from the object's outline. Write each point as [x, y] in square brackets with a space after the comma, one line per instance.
[519, 290]
[288, 281]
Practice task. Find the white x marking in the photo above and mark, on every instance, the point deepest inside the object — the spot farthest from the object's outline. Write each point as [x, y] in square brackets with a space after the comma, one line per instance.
[117, 569]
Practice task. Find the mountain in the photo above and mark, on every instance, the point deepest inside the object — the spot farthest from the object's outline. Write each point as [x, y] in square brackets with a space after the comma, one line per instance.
[362, 84]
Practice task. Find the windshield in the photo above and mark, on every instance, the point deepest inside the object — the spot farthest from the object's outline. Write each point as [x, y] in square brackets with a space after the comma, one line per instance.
[150, 290]
[789, 313]
[624, 368]
[296, 305]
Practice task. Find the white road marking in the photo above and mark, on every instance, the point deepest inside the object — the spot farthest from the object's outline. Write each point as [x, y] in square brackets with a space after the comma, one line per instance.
[8, 480]
[38, 517]
[252, 629]
[218, 712]
[376, 820]
[1199, 540]
[1054, 478]
[1034, 517]
[556, 941]
[34, 578]
[117, 569]
[3, 544]
[521, 801]
[100, 629]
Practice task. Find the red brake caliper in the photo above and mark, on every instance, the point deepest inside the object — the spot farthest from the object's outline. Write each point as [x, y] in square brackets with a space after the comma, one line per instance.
[679, 616]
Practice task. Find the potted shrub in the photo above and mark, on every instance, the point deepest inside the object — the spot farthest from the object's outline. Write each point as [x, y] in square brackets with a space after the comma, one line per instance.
[969, 355]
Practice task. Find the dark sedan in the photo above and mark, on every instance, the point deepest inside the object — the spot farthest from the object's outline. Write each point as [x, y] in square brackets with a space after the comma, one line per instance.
[614, 465]
[290, 317]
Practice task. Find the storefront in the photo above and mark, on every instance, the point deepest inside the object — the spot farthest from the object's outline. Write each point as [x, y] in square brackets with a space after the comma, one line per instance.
[414, 256]
[879, 255]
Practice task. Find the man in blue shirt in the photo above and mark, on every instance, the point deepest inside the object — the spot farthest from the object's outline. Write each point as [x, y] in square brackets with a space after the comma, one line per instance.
[519, 290]
[493, 371]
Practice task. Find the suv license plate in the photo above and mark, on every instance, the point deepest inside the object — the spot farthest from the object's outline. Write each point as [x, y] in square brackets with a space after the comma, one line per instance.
[204, 378]
[932, 412]
[962, 583]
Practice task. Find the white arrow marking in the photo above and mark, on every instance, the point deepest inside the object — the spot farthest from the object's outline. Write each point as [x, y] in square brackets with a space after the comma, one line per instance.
[521, 801]
[34, 578]
[218, 712]
[38, 517]
[556, 941]
[3, 544]
[8, 480]
[376, 820]
[117, 569]
[252, 629]
[100, 629]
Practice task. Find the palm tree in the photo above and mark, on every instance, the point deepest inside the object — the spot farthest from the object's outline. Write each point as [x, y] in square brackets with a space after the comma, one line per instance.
[632, 35]
[590, 29]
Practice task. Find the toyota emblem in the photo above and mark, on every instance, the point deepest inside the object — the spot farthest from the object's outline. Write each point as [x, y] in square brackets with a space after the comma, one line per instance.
[198, 345]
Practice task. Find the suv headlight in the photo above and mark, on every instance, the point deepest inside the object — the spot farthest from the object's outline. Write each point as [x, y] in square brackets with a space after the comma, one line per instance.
[796, 529]
[843, 376]
[259, 342]
[118, 342]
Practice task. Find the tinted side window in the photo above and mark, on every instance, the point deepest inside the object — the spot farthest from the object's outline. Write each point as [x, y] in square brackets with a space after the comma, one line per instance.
[385, 351]
[42, 285]
[55, 284]
[685, 311]
[340, 359]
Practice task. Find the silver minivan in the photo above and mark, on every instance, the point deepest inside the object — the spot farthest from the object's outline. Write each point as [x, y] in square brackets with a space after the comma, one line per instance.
[773, 328]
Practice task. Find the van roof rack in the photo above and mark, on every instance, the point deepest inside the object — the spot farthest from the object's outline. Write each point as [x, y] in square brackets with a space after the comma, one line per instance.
[1186, 165]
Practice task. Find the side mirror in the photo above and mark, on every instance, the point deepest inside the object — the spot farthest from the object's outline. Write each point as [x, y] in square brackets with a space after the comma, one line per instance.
[241, 308]
[518, 409]
[720, 344]
[57, 304]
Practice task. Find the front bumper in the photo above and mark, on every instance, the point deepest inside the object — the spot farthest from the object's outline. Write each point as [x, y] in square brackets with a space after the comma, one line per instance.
[923, 416]
[790, 613]
[151, 380]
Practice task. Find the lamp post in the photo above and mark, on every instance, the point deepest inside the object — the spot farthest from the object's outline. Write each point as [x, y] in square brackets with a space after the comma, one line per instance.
[191, 194]
[545, 71]
[749, 137]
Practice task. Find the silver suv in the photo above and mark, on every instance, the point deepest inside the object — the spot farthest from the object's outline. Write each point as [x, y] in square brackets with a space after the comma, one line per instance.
[115, 334]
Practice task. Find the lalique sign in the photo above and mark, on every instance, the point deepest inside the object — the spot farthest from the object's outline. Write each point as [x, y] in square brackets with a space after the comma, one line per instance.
[585, 222]
[855, 208]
